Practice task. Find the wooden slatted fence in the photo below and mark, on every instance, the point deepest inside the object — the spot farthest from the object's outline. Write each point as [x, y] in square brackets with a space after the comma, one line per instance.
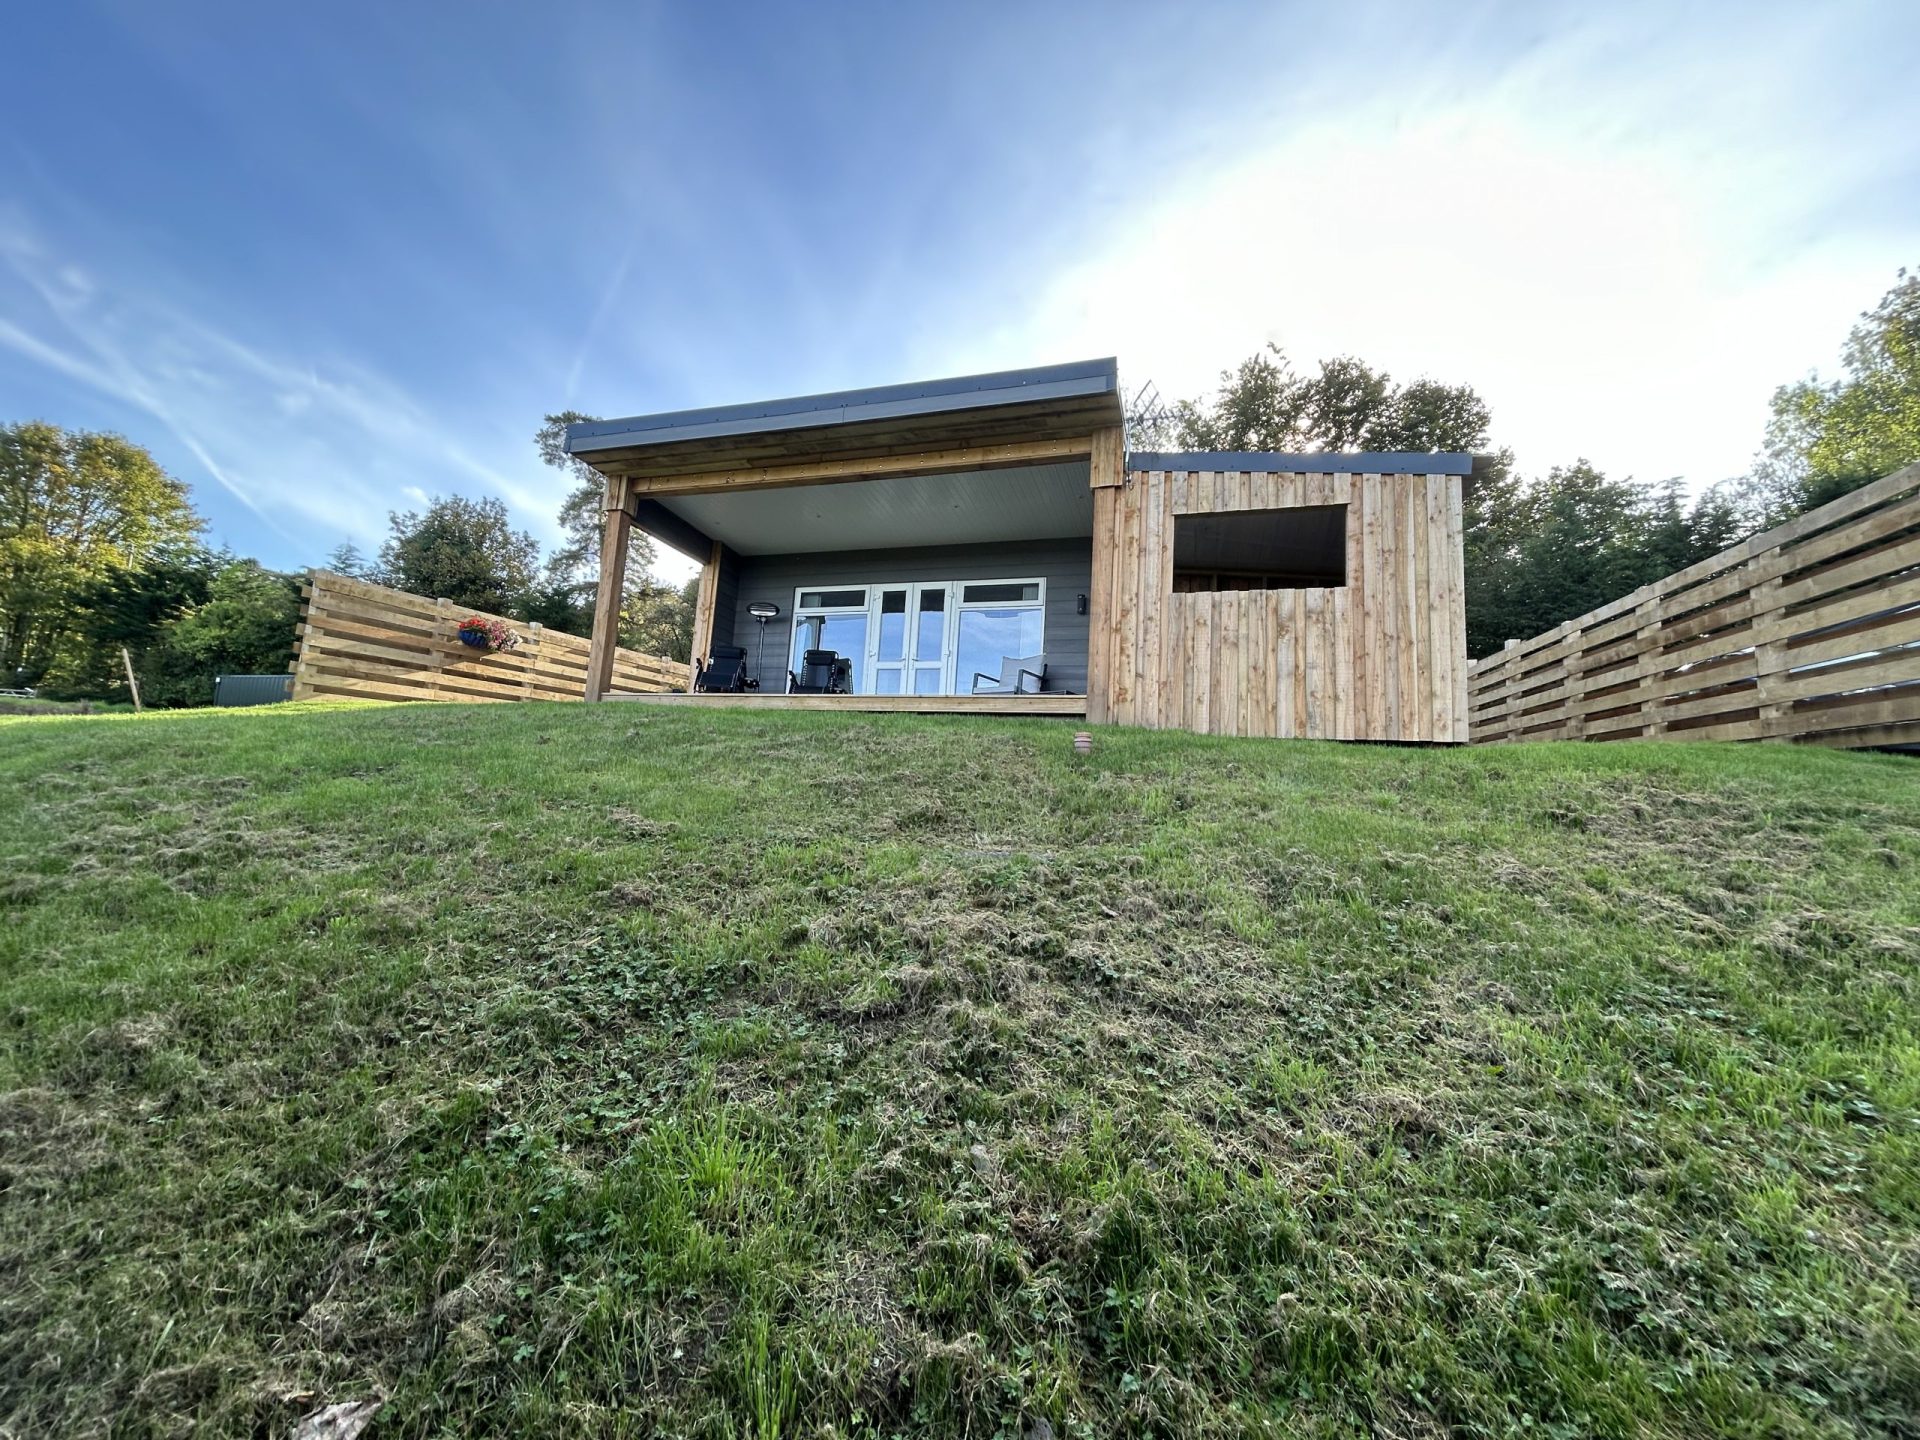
[372, 643]
[1808, 632]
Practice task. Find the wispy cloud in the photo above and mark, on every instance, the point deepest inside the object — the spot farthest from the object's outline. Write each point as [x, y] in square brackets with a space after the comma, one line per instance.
[608, 297]
[315, 450]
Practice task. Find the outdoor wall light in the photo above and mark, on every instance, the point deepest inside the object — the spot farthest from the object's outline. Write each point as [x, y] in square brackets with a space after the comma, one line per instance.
[1080, 605]
[762, 611]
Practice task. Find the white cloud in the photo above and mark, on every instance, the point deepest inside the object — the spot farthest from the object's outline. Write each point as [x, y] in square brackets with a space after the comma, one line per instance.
[1627, 292]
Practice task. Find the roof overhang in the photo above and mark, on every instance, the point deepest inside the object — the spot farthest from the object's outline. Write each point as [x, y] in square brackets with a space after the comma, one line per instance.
[1033, 502]
[970, 411]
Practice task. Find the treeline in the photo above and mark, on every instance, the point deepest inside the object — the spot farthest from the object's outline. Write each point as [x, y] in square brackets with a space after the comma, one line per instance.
[101, 550]
[1548, 549]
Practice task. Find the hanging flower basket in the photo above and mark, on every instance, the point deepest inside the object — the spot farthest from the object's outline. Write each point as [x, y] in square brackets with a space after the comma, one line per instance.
[484, 634]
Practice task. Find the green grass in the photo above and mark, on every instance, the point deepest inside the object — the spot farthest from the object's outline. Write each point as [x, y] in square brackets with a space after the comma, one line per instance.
[568, 1070]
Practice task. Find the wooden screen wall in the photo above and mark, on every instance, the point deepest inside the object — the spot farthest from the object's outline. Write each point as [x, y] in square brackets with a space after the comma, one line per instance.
[1382, 657]
[366, 641]
[1807, 632]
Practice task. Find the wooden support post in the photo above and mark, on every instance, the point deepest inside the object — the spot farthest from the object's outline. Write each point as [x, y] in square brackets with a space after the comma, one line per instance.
[1770, 663]
[1106, 473]
[703, 610]
[614, 539]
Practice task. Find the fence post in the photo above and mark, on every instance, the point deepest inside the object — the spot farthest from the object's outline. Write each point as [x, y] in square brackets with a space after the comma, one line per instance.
[1769, 661]
[442, 633]
[533, 659]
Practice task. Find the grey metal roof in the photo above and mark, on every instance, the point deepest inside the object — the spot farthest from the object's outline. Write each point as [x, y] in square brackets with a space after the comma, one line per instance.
[845, 407]
[1366, 462]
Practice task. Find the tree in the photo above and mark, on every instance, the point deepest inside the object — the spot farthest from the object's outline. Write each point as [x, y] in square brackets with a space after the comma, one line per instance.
[346, 559]
[75, 506]
[582, 513]
[464, 551]
[1541, 553]
[658, 619]
[132, 609]
[1265, 404]
[245, 626]
[1825, 440]
[1259, 406]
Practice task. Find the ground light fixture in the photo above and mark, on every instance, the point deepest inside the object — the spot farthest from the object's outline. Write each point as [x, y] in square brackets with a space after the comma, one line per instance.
[762, 611]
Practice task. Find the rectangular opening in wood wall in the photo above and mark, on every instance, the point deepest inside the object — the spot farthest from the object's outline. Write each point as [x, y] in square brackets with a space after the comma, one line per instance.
[1296, 547]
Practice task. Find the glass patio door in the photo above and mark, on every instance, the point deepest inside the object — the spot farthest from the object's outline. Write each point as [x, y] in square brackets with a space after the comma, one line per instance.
[911, 639]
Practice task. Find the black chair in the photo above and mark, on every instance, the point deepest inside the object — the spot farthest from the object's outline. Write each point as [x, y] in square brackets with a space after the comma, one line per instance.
[725, 672]
[821, 672]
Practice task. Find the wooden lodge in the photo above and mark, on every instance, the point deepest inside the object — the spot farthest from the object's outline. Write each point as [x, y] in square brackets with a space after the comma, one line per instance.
[987, 543]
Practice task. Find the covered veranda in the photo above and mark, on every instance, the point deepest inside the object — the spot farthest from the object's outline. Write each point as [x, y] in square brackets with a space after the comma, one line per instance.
[930, 534]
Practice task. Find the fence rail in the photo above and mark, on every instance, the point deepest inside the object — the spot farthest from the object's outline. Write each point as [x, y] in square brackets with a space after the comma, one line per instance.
[372, 643]
[1807, 632]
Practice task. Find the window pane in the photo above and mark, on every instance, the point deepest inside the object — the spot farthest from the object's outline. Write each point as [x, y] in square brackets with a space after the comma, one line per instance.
[926, 681]
[886, 680]
[847, 634]
[933, 625]
[1001, 593]
[806, 636]
[832, 599]
[988, 637]
[893, 624]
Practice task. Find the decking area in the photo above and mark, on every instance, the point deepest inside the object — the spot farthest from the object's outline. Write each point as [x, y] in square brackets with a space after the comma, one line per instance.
[1068, 705]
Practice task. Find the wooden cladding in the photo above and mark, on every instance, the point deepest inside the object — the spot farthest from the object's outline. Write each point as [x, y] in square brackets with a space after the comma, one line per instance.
[1382, 657]
[1808, 632]
[368, 642]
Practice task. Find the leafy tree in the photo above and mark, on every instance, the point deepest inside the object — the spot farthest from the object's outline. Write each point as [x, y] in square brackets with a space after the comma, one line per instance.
[658, 619]
[132, 608]
[1264, 404]
[1825, 440]
[245, 626]
[463, 550]
[75, 506]
[560, 605]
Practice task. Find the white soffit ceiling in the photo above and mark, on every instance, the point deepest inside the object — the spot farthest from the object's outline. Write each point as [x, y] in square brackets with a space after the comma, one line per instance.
[1034, 502]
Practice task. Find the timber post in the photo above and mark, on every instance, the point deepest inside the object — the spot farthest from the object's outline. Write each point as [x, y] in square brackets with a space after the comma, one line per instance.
[614, 539]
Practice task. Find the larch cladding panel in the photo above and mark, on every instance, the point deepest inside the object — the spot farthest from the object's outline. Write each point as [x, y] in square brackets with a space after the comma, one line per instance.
[1382, 657]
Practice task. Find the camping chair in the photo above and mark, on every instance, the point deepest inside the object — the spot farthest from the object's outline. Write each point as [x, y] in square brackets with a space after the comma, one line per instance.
[725, 671]
[1019, 675]
[822, 672]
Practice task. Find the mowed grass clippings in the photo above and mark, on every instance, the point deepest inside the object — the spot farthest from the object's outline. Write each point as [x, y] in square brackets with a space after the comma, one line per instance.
[568, 1070]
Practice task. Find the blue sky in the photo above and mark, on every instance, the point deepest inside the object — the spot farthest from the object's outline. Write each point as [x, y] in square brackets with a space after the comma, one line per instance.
[328, 260]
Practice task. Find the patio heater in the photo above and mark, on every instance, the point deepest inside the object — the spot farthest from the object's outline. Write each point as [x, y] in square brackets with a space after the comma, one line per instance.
[762, 611]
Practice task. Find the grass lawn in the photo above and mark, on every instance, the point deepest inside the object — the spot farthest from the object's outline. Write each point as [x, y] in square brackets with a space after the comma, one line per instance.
[569, 1070]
